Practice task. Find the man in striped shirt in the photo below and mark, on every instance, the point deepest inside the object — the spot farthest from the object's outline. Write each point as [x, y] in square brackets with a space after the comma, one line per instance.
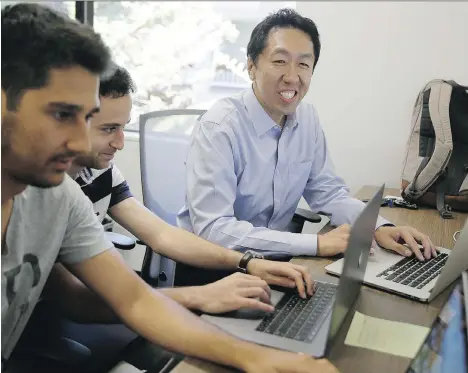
[104, 187]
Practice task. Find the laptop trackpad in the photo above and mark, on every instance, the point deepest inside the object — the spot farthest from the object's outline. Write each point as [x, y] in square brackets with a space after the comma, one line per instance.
[249, 314]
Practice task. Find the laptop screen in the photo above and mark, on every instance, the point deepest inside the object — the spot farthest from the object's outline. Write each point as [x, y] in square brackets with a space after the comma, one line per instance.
[445, 347]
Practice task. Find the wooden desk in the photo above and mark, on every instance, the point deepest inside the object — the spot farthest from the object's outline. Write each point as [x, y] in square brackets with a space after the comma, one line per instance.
[374, 302]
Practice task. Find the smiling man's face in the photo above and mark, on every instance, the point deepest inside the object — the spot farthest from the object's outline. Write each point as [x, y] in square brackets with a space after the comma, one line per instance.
[282, 73]
[106, 132]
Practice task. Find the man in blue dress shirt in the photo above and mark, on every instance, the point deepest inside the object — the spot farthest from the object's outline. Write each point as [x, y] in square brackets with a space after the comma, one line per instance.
[253, 155]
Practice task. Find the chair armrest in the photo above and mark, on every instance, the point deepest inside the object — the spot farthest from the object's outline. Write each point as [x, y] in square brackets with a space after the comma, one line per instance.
[121, 241]
[306, 215]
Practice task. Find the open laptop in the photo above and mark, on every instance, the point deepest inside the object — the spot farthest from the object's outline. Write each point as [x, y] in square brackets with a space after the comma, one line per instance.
[445, 349]
[409, 277]
[309, 325]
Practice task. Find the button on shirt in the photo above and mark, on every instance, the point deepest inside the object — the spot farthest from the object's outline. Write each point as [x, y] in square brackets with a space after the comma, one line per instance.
[246, 175]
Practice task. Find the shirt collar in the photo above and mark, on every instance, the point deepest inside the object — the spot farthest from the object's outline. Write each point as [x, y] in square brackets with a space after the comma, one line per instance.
[86, 175]
[262, 122]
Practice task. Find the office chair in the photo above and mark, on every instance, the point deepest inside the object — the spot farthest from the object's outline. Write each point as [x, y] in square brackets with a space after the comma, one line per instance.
[120, 241]
[164, 140]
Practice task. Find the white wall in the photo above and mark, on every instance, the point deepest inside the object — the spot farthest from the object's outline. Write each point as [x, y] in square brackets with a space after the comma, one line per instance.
[375, 58]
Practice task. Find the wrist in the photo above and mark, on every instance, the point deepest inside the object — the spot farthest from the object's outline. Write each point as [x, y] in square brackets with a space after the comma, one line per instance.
[251, 265]
[247, 258]
[234, 258]
[319, 245]
[385, 226]
[195, 299]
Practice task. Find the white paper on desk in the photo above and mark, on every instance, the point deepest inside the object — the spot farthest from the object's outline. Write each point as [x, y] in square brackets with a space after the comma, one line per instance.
[386, 336]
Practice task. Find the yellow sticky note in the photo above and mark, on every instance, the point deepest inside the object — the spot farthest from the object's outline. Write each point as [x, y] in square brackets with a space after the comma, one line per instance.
[386, 336]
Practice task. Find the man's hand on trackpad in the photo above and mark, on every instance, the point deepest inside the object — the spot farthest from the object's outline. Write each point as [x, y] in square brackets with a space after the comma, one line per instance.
[232, 293]
[405, 241]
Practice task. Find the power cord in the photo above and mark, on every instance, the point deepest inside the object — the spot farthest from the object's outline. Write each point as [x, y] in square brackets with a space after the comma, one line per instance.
[455, 235]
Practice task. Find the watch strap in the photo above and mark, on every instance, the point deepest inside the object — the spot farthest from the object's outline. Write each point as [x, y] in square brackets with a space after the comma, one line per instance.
[248, 256]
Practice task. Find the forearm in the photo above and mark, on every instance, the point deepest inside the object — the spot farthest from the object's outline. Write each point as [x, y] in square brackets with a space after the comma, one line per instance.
[185, 247]
[230, 232]
[170, 241]
[163, 322]
[88, 308]
[75, 300]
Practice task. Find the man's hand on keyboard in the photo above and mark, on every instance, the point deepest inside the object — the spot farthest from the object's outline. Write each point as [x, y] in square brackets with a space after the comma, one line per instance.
[394, 238]
[232, 293]
[283, 274]
[275, 361]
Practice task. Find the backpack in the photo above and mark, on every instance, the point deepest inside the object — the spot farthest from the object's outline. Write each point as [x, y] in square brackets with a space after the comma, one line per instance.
[435, 169]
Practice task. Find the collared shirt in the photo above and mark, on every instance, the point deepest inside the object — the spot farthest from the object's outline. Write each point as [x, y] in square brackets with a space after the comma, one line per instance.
[246, 175]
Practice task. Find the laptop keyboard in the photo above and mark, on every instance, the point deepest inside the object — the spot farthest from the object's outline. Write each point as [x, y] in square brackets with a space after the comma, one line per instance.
[412, 272]
[298, 318]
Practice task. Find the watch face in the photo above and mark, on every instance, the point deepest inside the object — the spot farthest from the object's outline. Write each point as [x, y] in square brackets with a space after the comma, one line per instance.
[254, 254]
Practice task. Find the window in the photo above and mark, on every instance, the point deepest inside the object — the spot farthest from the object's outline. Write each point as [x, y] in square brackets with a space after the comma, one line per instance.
[181, 54]
[68, 7]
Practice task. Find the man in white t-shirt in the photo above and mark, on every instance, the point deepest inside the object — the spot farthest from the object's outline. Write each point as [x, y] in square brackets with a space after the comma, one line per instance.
[50, 77]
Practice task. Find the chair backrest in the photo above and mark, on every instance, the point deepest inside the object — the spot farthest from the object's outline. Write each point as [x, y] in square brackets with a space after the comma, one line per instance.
[164, 140]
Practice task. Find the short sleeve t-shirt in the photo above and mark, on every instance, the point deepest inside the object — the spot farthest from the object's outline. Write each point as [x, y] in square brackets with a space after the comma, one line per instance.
[105, 188]
[46, 225]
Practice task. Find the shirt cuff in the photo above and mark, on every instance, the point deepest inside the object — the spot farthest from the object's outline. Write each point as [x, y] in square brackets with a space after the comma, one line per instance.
[381, 222]
[303, 244]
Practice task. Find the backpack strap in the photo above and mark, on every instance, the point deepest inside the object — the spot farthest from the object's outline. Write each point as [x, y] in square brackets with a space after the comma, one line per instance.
[444, 209]
[454, 84]
[437, 155]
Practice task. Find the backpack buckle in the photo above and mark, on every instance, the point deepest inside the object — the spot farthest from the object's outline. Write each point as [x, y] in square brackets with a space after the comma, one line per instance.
[446, 212]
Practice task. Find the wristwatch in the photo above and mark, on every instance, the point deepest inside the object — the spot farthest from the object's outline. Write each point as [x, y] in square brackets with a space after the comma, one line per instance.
[248, 256]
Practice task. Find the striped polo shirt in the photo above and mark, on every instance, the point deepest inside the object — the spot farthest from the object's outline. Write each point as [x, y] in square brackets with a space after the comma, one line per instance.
[105, 188]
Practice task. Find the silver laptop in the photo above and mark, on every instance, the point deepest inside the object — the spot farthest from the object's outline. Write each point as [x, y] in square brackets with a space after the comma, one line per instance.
[411, 278]
[309, 325]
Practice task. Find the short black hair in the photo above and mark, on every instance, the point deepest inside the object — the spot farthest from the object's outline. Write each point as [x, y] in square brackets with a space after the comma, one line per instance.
[283, 18]
[116, 83]
[36, 39]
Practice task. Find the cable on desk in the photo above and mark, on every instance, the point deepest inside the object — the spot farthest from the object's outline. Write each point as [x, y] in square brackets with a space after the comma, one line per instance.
[455, 235]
